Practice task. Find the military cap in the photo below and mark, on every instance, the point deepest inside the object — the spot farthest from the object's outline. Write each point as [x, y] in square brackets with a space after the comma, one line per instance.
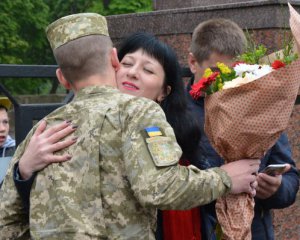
[4, 101]
[74, 26]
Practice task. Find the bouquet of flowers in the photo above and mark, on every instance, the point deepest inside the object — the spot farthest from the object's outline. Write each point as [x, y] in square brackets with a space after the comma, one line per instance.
[224, 77]
[247, 108]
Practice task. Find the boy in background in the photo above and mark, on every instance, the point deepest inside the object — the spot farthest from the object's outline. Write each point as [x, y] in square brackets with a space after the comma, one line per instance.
[221, 40]
[7, 144]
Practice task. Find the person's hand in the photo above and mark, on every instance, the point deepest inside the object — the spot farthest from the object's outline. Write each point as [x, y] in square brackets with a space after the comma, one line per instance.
[268, 185]
[243, 175]
[40, 151]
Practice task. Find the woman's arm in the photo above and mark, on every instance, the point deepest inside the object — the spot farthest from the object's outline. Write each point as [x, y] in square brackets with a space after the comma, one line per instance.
[40, 153]
[42, 146]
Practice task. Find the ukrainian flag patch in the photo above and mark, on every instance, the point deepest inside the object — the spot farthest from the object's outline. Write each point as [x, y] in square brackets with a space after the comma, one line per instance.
[153, 131]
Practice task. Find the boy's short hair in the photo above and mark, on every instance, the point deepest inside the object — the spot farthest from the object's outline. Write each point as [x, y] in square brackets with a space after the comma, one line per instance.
[83, 57]
[222, 36]
[80, 43]
[2, 107]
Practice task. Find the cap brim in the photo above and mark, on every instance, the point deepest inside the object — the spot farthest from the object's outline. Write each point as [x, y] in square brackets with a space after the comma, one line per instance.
[4, 101]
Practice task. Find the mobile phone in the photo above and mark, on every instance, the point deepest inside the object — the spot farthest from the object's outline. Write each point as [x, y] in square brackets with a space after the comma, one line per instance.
[274, 169]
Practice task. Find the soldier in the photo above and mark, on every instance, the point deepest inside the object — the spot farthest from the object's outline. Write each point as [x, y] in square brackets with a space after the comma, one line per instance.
[124, 162]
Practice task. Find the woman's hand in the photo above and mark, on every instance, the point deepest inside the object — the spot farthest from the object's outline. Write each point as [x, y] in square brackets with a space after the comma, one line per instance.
[44, 143]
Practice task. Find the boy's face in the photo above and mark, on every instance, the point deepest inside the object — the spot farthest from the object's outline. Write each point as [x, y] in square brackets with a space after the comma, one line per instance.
[4, 126]
[198, 68]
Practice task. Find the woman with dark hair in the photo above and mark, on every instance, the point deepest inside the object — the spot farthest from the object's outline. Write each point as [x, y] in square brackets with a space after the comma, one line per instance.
[174, 103]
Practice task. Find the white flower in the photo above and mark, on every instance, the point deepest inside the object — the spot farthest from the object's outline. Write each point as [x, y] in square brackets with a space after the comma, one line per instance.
[264, 70]
[247, 73]
[242, 68]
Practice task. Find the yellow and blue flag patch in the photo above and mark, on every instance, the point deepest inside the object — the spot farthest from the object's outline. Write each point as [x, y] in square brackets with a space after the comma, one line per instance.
[153, 131]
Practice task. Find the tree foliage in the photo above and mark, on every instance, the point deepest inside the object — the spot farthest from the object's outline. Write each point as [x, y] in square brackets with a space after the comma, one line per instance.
[22, 33]
[22, 30]
[22, 39]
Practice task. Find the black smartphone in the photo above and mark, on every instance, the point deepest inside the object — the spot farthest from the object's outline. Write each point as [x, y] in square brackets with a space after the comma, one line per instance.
[274, 169]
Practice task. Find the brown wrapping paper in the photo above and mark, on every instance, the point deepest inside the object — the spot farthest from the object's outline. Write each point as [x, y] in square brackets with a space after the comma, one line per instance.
[245, 122]
[255, 113]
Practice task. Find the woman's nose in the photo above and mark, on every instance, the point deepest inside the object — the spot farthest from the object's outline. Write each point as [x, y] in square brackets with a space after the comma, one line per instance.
[132, 72]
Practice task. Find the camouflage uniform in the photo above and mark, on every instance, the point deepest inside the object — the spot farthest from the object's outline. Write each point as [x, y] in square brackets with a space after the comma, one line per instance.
[118, 175]
[116, 179]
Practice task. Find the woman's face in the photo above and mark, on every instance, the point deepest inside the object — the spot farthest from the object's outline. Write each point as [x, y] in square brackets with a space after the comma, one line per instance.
[141, 75]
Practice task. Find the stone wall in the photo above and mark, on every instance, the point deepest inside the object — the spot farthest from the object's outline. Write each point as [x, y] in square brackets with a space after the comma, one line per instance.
[174, 4]
[176, 26]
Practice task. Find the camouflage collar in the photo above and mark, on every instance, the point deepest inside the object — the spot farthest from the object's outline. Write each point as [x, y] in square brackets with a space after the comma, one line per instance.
[94, 89]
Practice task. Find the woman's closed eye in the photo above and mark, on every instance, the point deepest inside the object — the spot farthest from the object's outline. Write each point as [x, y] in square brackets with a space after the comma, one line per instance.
[126, 64]
[148, 70]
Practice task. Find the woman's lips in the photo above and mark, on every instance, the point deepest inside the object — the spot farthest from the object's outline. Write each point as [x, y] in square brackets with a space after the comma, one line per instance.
[130, 86]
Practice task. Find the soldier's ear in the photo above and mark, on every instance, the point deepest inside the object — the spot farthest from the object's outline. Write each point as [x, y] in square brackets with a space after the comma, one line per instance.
[114, 59]
[62, 80]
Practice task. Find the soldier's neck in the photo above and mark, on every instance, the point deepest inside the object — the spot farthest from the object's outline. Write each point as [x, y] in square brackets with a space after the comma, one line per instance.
[95, 80]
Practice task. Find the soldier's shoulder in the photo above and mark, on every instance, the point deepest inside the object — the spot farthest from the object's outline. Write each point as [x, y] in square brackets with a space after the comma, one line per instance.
[137, 102]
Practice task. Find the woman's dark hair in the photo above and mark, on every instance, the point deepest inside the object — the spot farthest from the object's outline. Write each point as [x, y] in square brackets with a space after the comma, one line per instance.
[182, 119]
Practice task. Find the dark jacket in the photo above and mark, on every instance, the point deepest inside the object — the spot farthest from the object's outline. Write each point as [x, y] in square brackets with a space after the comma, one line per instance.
[206, 157]
[6, 152]
[8, 148]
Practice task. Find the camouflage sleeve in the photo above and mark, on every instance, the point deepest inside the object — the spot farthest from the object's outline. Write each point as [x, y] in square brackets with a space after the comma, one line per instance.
[14, 220]
[152, 164]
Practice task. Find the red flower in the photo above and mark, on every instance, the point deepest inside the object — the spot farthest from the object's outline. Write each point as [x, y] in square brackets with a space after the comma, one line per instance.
[277, 64]
[203, 83]
[196, 89]
[212, 77]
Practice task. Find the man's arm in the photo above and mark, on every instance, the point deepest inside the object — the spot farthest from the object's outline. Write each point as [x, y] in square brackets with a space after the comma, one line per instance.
[282, 189]
[152, 169]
